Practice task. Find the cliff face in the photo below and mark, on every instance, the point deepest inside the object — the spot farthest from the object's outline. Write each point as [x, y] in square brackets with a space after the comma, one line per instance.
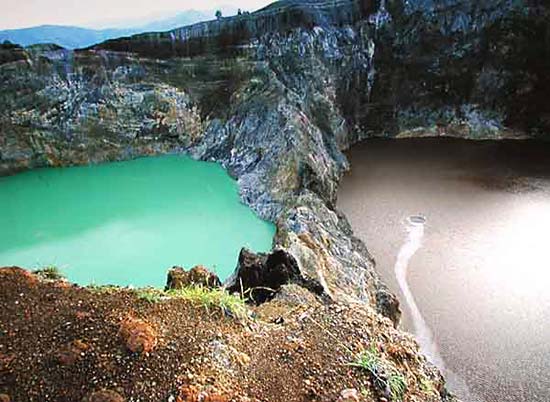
[476, 69]
[276, 95]
[266, 111]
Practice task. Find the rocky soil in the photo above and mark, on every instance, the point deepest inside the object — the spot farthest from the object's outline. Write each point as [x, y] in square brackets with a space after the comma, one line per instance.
[60, 342]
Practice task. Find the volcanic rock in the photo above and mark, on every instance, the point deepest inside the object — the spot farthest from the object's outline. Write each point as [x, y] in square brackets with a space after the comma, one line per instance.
[179, 278]
[138, 335]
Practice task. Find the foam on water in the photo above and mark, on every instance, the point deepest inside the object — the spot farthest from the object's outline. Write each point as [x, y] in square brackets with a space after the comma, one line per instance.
[415, 227]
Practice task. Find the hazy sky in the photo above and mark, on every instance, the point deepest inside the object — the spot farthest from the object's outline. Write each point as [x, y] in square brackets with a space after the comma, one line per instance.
[24, 13]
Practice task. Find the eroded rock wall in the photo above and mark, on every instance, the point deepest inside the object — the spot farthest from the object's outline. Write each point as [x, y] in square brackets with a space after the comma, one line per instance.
[473, 69]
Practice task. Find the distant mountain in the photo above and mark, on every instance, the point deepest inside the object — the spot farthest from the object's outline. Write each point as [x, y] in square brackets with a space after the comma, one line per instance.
[65, 36]
[72, 37]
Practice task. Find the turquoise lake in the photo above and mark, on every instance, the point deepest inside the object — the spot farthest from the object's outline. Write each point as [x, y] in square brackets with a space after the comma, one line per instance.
[127, 223]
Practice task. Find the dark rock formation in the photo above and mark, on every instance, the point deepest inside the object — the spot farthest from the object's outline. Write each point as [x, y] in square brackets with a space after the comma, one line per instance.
[476, 69]
[260, 276]
[179, 278]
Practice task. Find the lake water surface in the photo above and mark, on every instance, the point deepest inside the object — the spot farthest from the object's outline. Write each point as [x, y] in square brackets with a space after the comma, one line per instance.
[126, 223]
[461, 231]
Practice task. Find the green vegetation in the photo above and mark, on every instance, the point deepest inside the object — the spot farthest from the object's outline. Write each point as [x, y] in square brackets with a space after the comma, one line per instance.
[151, 295]
[398, 386]
[213, 299]
[384, 374]
[50, 272]
[210, 299]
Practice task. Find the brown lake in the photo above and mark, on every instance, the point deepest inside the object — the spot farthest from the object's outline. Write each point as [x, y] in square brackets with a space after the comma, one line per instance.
[460, 231]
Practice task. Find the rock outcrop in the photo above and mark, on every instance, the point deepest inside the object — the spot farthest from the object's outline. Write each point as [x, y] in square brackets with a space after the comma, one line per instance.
[473, 69]
[179, 278]
[261, 276]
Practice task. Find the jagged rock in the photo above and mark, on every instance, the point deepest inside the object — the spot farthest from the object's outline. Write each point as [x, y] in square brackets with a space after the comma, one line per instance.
[179, 278]
[139, 336]
[287, 89]
[387, 304]
[260, 276]
[104, 396]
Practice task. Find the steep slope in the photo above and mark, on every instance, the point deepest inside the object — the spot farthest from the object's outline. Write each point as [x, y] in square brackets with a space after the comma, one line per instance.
[69, 344]
[473, 69]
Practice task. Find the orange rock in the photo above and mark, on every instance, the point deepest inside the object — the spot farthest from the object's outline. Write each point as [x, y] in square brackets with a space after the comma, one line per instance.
[104, 395]
[138, 335]
[5, 398]
[188, 393]
[191, 393]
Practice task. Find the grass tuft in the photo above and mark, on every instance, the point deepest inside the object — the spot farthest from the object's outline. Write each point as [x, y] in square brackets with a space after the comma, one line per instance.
[397, 385]
[386, 377]
[50, 272]
[151, 295]
[213, 299]
[210, 299]
[102, 289]
[427, 386]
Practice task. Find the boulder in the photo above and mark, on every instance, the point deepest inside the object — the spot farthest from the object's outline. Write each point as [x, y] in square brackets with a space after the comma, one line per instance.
[179, 278]
[138, 335]
[261, 276]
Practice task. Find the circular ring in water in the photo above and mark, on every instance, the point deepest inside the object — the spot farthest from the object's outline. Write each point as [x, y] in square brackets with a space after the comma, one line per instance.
[417, 220]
